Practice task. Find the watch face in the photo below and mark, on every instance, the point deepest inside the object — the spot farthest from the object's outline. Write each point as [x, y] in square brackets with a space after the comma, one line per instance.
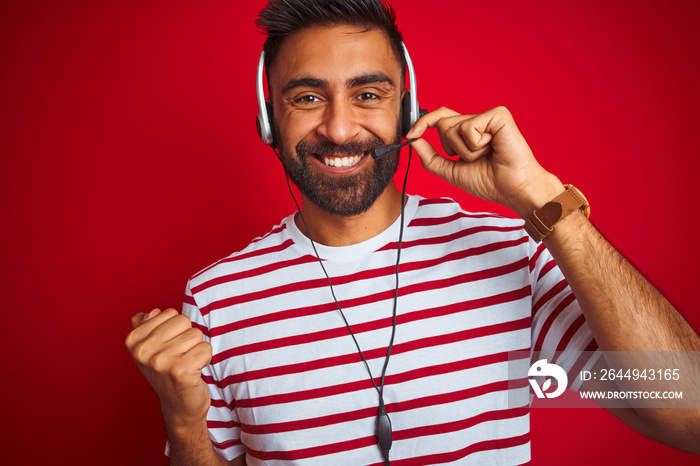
[580, 198]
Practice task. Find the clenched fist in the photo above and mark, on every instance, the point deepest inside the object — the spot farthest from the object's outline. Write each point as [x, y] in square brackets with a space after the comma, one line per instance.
[171, 355]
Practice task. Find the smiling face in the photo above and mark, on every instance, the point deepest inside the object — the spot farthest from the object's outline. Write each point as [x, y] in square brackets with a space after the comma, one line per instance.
[336, 92]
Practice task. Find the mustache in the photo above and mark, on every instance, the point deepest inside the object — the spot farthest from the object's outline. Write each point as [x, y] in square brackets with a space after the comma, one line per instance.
[329, 148]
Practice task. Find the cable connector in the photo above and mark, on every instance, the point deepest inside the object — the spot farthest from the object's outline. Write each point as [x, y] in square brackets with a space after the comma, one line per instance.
[384, 434]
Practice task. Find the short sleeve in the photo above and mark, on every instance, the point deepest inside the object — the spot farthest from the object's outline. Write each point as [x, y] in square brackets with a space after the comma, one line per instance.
[560, 333]
[222, 421]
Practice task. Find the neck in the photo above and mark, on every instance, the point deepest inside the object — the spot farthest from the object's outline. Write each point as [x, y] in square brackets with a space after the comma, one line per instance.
[336, 230]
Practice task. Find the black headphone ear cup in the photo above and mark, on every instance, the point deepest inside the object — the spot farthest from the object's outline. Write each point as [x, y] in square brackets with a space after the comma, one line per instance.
[406, 114]
[271, 119]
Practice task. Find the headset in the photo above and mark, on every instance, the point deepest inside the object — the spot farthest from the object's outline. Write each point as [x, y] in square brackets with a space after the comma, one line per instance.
[410, 110]
[410, 113]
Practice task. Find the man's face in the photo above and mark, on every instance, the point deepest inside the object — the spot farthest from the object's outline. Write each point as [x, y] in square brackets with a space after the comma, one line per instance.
[336, 92]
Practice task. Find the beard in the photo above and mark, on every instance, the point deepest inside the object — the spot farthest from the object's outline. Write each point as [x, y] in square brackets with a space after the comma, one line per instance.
[344, 195]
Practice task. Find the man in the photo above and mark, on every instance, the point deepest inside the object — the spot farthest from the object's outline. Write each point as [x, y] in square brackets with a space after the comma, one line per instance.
[290, 381]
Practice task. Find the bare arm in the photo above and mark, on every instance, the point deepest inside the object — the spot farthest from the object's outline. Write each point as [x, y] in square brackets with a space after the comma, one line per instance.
[192, 446]
[624, 311]
[171, 354]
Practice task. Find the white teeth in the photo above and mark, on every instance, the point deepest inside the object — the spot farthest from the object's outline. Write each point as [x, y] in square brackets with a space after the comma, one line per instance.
[344, 162]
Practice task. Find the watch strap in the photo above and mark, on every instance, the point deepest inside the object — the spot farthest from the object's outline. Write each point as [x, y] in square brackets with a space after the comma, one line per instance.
[541, 222]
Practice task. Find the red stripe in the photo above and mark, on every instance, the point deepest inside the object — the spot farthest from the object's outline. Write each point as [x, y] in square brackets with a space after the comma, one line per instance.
[311, 452]
[274, 231]
[345, 304]
[222, 424]
[189, 300]
[453, 397]
[372, 440]
[204, 329]
[444, 200]
[216, 403]
[253, 272]
[503, 327]
[258, 252]
[582, 359]
[550, 265]
[371, 412]
[407, 376]
[226, 444]
[432, 221]
[498, 444]
[535, 256]
[341, 280]
[328, 334]
[555, 290]
[462, 424]
[310, 423]
[573, 328]
[448, 238]
[550, 320]
[362, 300]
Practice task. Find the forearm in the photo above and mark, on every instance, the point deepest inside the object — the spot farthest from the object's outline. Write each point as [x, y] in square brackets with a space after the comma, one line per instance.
[191, 445]
[623, 310]
[627, 314]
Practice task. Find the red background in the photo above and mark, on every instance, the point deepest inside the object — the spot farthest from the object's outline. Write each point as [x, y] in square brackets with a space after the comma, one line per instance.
[129, 160]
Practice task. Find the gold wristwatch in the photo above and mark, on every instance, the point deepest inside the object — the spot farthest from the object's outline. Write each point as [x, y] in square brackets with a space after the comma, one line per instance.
[542, 221]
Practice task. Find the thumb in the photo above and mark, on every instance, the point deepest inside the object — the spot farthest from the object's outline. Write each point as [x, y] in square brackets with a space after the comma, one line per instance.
[434, 162]
[140, 318]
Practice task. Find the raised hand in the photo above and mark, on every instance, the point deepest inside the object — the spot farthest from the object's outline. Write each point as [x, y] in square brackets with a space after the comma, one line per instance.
[495, 163]
[171, 355]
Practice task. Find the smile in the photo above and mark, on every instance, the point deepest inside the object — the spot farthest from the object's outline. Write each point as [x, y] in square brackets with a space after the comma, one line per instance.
[343, 161]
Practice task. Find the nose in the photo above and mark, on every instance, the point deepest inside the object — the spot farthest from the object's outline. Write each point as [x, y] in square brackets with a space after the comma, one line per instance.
[340, 123]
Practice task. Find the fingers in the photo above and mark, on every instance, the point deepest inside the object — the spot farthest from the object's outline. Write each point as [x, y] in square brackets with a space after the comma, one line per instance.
[200, 355]
[171, 354]
[137, 320]
[429, 120]
[188, 352]
[468, 136]
[460, 136]
[434, 162]
[144, 324]
[161, 332]
[141, 317]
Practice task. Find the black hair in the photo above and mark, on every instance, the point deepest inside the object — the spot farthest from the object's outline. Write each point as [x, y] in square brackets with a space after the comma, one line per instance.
[281, 18]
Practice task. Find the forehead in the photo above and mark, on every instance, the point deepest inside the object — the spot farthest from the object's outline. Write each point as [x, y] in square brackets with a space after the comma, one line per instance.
[334, 54]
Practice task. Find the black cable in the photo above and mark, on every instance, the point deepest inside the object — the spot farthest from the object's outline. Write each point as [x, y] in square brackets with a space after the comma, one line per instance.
[384, 430]
[313, 245]
[398, 260]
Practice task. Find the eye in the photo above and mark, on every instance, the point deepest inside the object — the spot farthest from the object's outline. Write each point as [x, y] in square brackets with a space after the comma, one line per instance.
[368, 96]
[307, 99]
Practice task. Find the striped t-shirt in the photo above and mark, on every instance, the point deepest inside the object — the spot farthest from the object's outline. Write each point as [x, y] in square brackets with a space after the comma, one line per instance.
[286, 381]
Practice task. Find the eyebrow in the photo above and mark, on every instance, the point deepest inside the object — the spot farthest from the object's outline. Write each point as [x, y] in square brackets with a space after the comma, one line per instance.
[375, 78]
[304, 81]
[308, 81]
